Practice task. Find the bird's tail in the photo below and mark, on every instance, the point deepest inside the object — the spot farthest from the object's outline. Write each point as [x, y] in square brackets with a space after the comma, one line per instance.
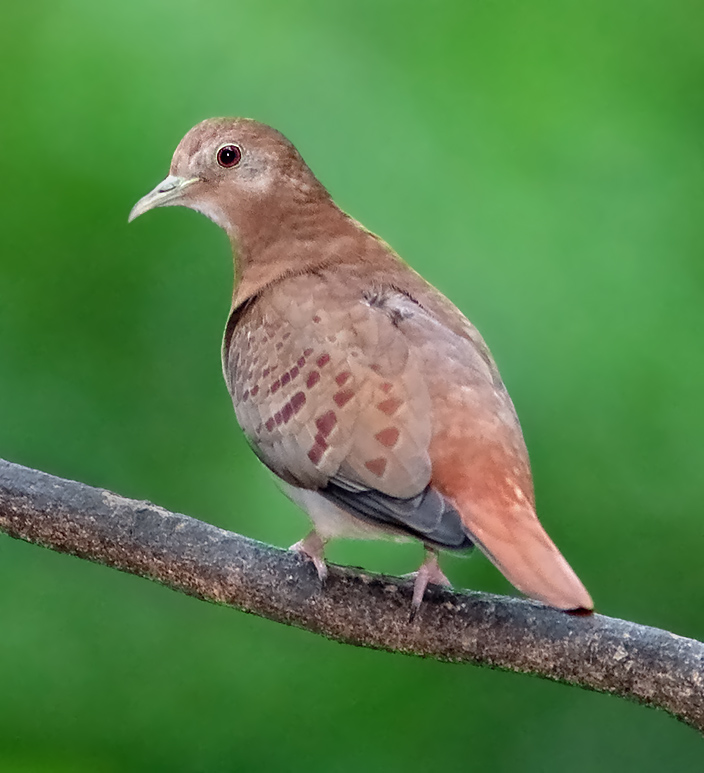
[516, 543]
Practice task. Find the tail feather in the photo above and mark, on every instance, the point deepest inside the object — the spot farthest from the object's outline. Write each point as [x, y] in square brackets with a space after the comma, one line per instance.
[516, 543]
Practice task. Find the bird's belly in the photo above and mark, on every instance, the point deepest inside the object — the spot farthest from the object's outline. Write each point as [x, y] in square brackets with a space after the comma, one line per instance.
[331, 521]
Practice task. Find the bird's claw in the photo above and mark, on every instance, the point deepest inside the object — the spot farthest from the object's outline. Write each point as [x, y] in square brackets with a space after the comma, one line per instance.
[312, 548]
[428, 572]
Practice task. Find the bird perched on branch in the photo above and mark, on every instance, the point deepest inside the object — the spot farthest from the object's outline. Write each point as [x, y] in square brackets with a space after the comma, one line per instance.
[366, 391]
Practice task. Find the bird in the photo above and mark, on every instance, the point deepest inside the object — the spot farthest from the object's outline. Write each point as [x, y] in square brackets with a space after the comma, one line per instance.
[374, 401]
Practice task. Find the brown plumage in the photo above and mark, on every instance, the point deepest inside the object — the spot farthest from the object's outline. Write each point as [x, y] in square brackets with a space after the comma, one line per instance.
[368, 393]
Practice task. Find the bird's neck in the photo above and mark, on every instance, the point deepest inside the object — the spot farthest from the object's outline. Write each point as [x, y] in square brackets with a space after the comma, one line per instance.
[281, 236]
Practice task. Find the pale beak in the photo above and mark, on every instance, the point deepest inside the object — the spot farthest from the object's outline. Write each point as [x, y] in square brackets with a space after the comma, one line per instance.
[167, 193]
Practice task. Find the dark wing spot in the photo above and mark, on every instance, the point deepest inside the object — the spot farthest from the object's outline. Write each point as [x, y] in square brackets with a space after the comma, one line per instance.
[315, 454]
[326, 423]
[376, 466]
[298, 401]
[343, 397]
[313, 378]
[390, 406]
[388, 437]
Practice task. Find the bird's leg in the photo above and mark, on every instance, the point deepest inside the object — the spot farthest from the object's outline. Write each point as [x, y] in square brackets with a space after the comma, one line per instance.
[429, 571]
[313, 547]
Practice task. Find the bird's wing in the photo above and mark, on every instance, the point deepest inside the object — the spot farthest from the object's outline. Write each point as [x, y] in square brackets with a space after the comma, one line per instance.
[331, 396]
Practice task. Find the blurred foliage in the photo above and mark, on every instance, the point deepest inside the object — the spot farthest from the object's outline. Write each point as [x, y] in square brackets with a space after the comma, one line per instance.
[542, 163]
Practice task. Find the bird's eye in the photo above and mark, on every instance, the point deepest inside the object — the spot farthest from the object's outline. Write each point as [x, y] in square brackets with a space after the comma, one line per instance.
[229, 156]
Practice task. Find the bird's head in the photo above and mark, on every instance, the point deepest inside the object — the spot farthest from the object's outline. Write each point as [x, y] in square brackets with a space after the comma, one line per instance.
[232, 169]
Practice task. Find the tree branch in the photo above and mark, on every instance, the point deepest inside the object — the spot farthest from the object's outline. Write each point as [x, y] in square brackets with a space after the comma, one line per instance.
[644, 664]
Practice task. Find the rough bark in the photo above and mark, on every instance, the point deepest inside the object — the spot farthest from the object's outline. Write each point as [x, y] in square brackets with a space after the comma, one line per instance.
[647, 665]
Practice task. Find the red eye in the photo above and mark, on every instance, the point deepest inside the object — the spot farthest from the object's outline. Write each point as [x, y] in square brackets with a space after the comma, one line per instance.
[229, 156]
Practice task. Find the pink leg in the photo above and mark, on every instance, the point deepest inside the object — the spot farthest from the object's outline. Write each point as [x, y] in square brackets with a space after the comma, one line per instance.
[312, 547]
[429, 571]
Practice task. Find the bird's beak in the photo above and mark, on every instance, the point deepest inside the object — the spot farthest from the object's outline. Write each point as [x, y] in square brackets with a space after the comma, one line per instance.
[167, 193]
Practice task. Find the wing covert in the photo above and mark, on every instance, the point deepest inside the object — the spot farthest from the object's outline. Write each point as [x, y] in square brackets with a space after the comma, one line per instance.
[329, 387]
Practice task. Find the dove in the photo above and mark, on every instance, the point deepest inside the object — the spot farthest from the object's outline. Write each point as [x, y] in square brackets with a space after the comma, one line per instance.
[368, 394]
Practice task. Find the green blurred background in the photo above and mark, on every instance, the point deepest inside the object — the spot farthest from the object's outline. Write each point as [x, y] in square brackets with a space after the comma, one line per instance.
[540, 162]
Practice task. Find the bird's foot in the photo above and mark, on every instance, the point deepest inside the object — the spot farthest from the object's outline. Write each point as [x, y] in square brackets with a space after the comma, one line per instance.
[429, 571]
[313, 547]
